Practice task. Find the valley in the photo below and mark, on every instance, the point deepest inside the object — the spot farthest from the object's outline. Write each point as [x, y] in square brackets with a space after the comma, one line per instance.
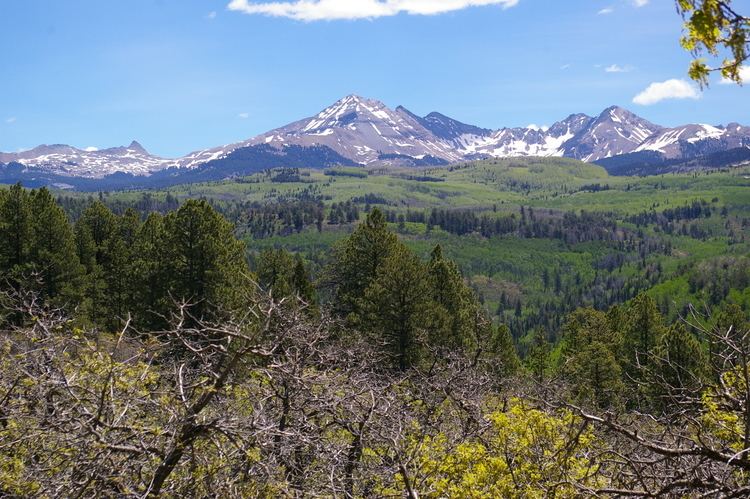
[535, 237]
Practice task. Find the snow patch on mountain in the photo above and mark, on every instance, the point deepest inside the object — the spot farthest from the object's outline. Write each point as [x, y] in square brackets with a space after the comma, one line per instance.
[367, 132]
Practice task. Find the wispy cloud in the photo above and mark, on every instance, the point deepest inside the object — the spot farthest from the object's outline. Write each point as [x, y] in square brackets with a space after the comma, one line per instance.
[211, 15]
[616, 68]
[605, 11]
[10, 120]
[640, 3]
[243, 116]
[744, 76]
[565, 66]
[669, 89]
[327, 10]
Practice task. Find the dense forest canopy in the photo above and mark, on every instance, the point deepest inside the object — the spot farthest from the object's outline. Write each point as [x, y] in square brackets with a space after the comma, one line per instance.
[166, 345]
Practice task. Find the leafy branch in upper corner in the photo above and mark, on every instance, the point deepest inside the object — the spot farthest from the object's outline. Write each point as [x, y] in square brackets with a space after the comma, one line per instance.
[711, 27]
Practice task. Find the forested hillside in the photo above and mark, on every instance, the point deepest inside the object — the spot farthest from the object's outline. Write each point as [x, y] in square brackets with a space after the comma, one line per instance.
[535, 238]
[496, 327]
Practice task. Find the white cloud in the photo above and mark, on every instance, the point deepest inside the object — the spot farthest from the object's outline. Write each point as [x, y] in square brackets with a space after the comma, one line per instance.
[244, 116]
[326, 10]
[640, 3]
[91, 149]
[670, 89]
[10, 120]
[744, 76]
[211, 15]
[605, 11]
[616, 68]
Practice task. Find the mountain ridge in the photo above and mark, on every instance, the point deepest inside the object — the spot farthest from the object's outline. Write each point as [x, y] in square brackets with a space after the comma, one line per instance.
[359, 131]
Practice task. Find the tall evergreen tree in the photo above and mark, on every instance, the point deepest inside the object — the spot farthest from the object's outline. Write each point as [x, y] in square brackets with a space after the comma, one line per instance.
[150, 271]
[503, 355]
[302, 284]
[590, 357]
[358, 259]
[733, 320]
[596, 376]
[678, 367]
[450, 294]
[207, 263]
[15, 229]
[538, 357]
[397, 305]
[53, 250]
[118, 275]
[585, 326]
[643, 328]
[275, 271]
[95, 232]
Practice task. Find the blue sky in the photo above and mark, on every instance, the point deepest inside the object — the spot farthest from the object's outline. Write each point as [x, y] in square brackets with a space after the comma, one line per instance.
[181, 75]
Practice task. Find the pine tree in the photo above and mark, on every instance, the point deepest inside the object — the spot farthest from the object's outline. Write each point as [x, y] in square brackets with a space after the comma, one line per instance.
[502, 352]
[616, 321]
[590, 357]
[15, 230]
[129, 224]
[397, 305]
[538, 357]
[358, 259]
[451, 295]
[53, 251]
[595, 375]
[678, 367]
[102, 225]
[115, 258]
[302, 284]
[275, 271]
[732, 319]
[585, 326]
[207, 264]
[643, 328]
[95, 231]
[150, 270]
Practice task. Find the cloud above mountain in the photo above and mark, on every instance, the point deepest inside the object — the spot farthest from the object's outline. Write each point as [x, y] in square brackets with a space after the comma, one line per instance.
[330, 10]
[669, 89]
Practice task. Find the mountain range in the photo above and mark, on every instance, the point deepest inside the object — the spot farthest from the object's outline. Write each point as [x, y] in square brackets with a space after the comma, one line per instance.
[355, 131]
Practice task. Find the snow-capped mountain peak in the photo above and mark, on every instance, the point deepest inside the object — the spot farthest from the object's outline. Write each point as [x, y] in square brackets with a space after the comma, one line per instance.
[357, 130]
[135, 146]
[350, 110]
[94, 163]
[615, 131]
[696, 139]
[364, 130]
